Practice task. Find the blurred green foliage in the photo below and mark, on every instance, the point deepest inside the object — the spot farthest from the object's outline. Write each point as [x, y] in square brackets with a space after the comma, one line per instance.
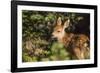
[58, 52]
[37, 27]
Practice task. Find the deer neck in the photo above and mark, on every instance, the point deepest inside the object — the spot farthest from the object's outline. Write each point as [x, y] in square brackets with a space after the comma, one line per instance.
[66, 38]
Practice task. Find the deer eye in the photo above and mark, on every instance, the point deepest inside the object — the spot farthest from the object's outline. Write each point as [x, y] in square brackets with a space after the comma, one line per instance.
[58, 31]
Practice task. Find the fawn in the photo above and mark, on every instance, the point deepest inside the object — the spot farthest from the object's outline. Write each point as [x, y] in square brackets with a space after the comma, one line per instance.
[78, 44]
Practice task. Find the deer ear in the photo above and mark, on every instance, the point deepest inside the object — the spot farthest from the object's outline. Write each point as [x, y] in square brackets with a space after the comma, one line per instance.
[59, 21]
[66, 24]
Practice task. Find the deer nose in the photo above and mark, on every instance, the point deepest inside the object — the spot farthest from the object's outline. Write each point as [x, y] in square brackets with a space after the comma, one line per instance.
[53, 38]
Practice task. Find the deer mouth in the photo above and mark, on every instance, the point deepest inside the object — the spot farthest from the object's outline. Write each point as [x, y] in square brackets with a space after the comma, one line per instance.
[53, 39]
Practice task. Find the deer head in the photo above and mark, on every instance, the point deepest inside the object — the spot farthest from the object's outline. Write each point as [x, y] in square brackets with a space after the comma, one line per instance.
[59, 30]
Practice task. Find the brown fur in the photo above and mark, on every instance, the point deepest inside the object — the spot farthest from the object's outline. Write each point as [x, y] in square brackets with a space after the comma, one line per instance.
[77, 43]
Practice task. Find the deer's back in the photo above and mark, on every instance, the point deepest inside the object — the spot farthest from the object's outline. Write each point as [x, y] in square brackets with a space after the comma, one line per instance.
[77, 44]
